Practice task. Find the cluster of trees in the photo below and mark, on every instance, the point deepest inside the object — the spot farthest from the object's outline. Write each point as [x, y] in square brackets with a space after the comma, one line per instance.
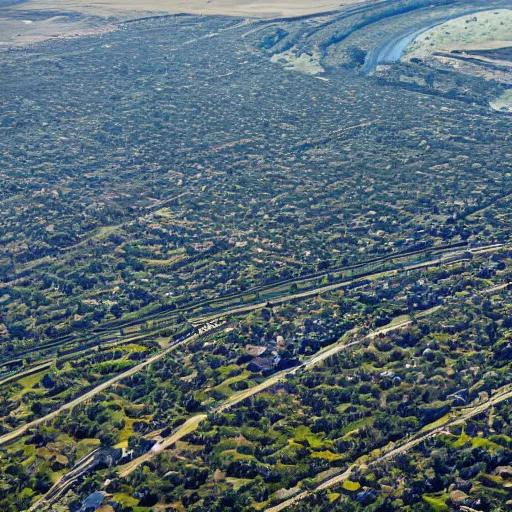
[356, 402]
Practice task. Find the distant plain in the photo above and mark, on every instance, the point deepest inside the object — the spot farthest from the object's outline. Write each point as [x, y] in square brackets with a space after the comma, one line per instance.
[38, 20]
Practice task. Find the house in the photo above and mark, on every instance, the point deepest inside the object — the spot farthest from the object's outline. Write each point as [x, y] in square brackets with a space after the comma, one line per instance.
[255, 350]
[261, 364]
[504, 471]
[280, 343]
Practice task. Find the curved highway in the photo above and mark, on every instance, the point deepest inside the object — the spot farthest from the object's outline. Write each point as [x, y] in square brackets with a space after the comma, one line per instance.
[392, 49]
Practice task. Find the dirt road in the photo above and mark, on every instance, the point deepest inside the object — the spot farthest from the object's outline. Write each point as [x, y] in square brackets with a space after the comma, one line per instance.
[465, 414]
[191, 424]
[93, 392]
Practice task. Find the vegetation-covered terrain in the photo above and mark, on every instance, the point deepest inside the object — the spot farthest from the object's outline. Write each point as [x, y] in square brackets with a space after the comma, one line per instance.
[248, 265]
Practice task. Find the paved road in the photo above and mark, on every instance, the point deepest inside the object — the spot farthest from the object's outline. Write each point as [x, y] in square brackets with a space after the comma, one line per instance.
[233, 311]
[109, 328]
[392, 49]
[495, 289]
[445, 258]
[299, 279]
[192, 423]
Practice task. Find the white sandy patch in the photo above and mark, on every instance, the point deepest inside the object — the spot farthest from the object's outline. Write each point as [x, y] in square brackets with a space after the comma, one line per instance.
[123, 10]
[304, 63]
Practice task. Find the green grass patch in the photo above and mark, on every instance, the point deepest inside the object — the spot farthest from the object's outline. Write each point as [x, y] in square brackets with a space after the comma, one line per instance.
[65, 439]
[126, 432]
[236, 483]
[167, 263]
[438, 423]
[237, 378]
[333, 496]
[223, 372]
[302, 434]
[29, 451]
[112, 366]
[481, 442]
[399, 320]
[224, 389]
[502, 440]
[232, 455]
[200, 395]
[437, 503]
[360, 423]
[221, 391]
[105, 231]
[27, 492]
[290, 451]
[126, 500]
[326, 455]
[134, 348]
[86, 446]
[225, 445]
[146, 310]
[348, 485]
[476, 442]
[30, 381]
